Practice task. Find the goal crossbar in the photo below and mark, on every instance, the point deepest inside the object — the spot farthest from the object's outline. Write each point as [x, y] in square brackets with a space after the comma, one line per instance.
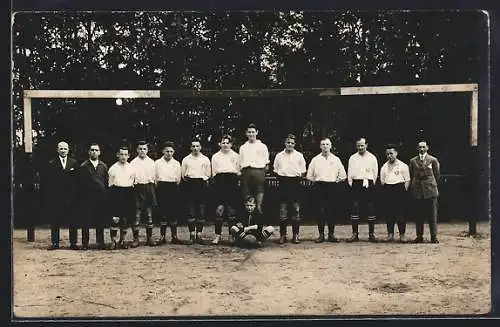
[246, 93]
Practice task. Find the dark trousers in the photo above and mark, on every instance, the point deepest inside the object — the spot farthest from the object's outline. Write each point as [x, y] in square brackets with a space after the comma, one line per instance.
[426, 211]
[290, 194]
[227, 197]
[121, 203]
[55, 227]
[94, 217]
[325, 195]
[395, 202]
[99, 235]
[168, 201]
[195, 194]
[362, 205]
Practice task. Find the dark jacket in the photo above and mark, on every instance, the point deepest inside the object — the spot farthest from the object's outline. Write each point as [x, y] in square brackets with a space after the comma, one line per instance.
[92, 184]
[424, 177]
[58, 184]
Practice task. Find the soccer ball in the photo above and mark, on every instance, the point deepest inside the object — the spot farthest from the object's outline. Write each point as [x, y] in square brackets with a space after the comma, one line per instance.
[250, 239]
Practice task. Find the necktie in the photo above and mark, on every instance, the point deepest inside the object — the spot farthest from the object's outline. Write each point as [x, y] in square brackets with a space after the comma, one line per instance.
[64, 163]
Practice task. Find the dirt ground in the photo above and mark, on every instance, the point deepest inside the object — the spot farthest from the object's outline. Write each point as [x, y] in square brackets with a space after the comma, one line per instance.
[452, 277]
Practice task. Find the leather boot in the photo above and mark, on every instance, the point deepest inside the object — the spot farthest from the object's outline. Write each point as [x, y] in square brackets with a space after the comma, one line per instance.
[149, 234]
[353, 238]
[173, 231]
[192, 238]
[321, 238]
[114, 240]
[282, 239]
[121, 241]
[163, 232]
[135, 242]
[331, 238]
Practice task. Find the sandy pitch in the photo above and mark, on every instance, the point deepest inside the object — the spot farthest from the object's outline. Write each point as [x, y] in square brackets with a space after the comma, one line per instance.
[452, 277]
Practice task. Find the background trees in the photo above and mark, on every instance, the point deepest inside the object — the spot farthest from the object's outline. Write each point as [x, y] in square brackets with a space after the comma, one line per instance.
[251, 50]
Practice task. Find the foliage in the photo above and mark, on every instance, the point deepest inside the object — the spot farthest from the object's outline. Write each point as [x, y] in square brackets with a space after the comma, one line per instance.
[242, 50]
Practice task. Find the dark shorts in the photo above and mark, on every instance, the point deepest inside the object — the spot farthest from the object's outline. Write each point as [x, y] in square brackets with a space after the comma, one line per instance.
[254, 180]
[195, 190]
[362, 194]
[326, 196]
[290, 189]
[395, 198]
[145, 195]
[167, 195]
[226, 190]
[121, 202]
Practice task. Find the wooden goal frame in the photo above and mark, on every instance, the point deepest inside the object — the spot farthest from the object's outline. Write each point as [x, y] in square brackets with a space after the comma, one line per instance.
[28, 95]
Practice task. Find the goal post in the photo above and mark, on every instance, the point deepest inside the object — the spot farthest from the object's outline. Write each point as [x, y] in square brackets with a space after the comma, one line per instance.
[28, 95]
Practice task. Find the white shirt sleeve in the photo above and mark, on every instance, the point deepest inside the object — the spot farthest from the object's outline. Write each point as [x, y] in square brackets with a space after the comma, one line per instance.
[302, 164]
[111, 177]
[310, 171]
[266, 154]
[375, 169]
[276, 163]
[183, 168]
[382, 174]
[214, 165]
[406, 173]
[349, 170]
[208, 170]
[342, 174]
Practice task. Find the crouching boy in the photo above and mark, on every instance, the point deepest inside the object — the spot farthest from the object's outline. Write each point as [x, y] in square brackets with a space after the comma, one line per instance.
[249, 230]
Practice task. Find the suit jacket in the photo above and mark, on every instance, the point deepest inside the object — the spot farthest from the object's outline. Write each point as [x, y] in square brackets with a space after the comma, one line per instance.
[92, 184]
[424, 177]
[59, 184]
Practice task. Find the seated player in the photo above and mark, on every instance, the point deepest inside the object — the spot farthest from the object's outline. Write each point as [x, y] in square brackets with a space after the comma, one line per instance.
[249, 230]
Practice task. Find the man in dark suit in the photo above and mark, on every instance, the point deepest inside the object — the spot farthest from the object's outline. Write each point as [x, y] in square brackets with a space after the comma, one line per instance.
[58, 181]
[424, 174]
[92, 187]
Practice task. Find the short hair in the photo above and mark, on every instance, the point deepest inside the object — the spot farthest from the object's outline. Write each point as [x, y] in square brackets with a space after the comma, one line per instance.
[249, 199]
[391, 146]
[291, 137]
[252, 125]
[195, 139]
[227, 137]
[325, 139]
[168, 144]
[423, 141]
[142, 143]
[94, 143]
[123, 147]
[359, 139]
